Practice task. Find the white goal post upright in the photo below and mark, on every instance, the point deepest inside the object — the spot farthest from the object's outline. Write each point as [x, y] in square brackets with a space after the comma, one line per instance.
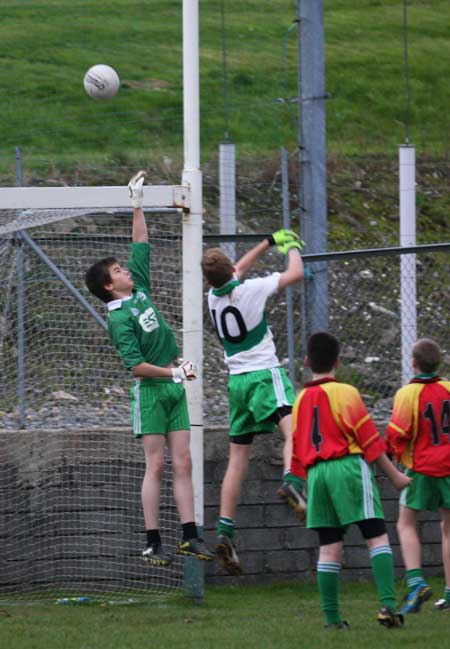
[192, 276]
[27, 204]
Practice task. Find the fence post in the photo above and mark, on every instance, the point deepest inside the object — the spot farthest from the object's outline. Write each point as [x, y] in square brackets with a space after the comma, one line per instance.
[20, 306]
[312, 149]
[290, 289]
[227, 198]
[407, 160]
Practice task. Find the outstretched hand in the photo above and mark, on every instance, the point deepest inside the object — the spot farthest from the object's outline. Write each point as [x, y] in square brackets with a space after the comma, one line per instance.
[135, 189]
[284, 240]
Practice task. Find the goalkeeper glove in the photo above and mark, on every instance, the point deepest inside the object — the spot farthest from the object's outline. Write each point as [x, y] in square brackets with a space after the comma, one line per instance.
[280, 237]
[135, 191]
[187, 371]
[289, 245]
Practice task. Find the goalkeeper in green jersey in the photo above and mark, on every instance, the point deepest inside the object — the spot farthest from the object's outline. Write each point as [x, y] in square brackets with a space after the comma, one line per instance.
[260, 393]
[159, 411]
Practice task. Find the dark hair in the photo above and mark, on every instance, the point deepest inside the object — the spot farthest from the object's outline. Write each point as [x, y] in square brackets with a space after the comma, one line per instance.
[217, 267]
[97, 276]
[323, 351]
[427, 354]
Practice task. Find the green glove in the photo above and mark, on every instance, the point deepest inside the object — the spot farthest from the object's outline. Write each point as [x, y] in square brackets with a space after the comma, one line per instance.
[291, 244]
[280, 237]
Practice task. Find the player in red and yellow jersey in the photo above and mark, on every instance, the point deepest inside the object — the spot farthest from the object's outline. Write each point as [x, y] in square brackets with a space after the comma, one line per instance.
[334, 443]
[418, 436]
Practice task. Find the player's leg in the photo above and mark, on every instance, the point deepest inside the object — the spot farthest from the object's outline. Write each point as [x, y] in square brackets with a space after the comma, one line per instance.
[409, 538]
[151, 491]
[382, 564]
[241, 388]
[240, 449]
[149, 423]
[178, 442]
[421, 494]
[323, 518]
[292, 490]
[444, 602]
[418, 590]
[328, 568]
[238, 460]
[179, 447]
[271, 399]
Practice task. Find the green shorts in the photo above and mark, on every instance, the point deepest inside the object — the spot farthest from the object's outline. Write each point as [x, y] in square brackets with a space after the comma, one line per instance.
[341, 492]
[426, 493]
[255, 396]
[158, 407]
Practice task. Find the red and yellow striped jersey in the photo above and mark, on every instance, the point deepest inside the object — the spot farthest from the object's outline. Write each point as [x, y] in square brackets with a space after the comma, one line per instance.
[418, 434]
[330, 420]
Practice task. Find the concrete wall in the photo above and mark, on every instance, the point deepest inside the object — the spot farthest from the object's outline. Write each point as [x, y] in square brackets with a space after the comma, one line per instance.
[271, 543]
[71, 517]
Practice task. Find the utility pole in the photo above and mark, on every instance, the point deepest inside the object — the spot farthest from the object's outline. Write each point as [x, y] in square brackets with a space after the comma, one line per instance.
[312, 152]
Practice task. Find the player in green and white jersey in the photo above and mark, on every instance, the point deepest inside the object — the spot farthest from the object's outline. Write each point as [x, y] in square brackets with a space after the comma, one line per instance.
[260, 393]
[149, 350]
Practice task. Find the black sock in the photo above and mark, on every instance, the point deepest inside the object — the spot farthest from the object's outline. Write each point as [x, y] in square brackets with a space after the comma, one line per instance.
[153, 537]
[189, 531]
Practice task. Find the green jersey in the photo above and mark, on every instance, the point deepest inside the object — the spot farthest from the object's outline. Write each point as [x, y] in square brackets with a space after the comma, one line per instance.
[137, 328]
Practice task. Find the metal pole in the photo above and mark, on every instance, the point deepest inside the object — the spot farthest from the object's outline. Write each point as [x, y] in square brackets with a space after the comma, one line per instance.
[227, 198]
[407, 161]
[20, 307]
[60, 275]
[312, 144]
[289, 290]
[227, 159]
[192, 276]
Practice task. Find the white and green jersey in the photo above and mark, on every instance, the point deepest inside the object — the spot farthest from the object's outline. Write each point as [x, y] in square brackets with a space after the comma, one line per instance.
[237, 311]
[137, 328]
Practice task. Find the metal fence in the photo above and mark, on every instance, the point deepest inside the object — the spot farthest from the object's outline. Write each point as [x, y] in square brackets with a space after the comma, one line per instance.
[363, 309]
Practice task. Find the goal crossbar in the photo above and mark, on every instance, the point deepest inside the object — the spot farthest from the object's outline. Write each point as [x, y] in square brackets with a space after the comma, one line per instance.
[20, 198]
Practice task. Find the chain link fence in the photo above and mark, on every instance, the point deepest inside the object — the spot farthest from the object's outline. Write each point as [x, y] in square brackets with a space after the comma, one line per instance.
[363, 310]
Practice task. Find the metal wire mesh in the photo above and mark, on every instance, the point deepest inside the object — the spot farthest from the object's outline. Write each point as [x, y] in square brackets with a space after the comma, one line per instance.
[363, 310]
[70, 503]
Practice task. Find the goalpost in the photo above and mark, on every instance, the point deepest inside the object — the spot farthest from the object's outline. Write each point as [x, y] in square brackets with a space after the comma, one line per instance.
[90, 463]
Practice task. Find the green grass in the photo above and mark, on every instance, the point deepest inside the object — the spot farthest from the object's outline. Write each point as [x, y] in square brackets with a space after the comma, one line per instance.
[47, 45]
[285, 615]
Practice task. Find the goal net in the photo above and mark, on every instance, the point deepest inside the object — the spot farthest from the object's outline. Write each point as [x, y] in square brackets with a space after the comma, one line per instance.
[71, 520]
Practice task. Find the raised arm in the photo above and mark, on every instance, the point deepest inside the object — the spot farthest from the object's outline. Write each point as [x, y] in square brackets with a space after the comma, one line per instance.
[246, 262]
[294, 271]
[139, 228]
[136, 193]
[284, 240]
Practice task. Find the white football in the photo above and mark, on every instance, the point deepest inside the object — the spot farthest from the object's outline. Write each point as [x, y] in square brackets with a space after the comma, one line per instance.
[101, 82]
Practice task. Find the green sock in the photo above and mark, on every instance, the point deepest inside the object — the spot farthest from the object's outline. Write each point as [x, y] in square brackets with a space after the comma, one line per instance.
[298, 483]
[328, 582]
[447, 594]
[225, 526]
[383, 571]
[414, 578]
